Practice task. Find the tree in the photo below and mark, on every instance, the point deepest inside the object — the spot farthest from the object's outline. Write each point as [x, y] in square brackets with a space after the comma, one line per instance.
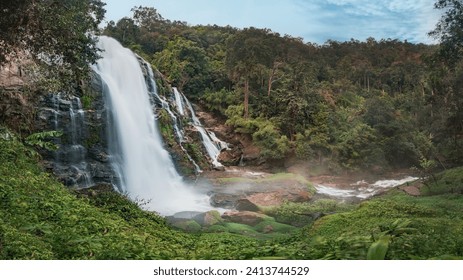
[58, 35]
[185, 64]
[125, 31]
[449, 29]
[249, 54]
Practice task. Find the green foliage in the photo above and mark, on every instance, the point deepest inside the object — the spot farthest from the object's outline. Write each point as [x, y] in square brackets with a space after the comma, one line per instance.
[58, 36]
[448, 29]
[166, 127]
[418, 228]
[273, 145]
[357, 147]
[264, 133]
[378, 249]
[302, 214]
[185, 63]
[87, 101]
[219, 101]
[446, 182]
[42, 139]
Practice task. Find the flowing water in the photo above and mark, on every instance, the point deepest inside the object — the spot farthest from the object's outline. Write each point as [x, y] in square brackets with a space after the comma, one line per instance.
[212, 144]
[70, 158]
[145, 167]
[179, 101]
[362, 189]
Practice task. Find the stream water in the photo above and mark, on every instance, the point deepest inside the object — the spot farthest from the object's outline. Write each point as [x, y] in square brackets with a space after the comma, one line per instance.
[361, 189]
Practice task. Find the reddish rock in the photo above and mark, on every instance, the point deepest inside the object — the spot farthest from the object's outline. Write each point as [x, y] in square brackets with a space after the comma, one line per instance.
[411, 190]
[246, 205]
[278, 197]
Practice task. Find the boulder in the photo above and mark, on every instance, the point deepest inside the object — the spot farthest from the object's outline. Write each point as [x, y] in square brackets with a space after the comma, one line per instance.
[208, 219]
[187, 225]
[230, 157]
[278, 197]
[246, 205]
[244, 217]
[224, 200]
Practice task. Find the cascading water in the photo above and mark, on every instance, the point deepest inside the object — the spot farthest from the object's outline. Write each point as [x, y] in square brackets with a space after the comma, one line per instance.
[146, 169]
[156, 98]
[210, 141]
[179, 101]
[361, 189]
[70, 158]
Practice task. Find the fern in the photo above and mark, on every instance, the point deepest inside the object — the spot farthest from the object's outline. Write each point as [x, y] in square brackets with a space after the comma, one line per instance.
[42, 139]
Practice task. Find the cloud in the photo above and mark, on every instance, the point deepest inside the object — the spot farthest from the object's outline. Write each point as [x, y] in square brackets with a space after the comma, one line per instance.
[396, 19]
[315, 20]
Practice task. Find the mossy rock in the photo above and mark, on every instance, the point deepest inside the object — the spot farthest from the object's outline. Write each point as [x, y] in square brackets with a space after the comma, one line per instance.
[240, 229]
[270, 226]
[209, 218]
[217, 228]
[189, 226]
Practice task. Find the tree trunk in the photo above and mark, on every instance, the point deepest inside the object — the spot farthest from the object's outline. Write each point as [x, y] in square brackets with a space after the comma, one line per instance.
[246, 98]
[272, 76]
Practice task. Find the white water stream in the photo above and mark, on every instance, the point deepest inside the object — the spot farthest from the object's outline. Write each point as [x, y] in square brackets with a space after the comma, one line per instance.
[362, 189]
[146, 168]
[212, 144]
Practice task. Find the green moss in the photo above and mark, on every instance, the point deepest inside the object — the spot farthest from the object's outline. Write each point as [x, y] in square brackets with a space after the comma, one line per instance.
[301, 214]
[217, 228]
[240, 229]
[93, 137]
[270, 226]
[166, 127]
[196, 154]
[87, 101]
[189, 226]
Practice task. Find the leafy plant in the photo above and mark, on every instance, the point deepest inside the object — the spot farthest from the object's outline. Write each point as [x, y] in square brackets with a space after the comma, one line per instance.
[43, 139]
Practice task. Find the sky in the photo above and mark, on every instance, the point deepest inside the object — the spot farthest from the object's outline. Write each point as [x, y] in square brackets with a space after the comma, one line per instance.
[315, 21]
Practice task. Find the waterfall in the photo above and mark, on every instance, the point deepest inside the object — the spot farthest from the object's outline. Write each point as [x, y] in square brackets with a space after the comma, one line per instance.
[156, 98]
[146, 168]
[210, 141]
[178, 101]
[70, 158]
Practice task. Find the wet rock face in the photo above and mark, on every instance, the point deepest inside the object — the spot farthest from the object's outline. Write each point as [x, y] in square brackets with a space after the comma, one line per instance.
[82, 159]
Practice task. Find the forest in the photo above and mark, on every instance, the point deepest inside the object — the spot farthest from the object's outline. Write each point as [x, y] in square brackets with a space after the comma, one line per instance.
[352, 105]
[377, 106]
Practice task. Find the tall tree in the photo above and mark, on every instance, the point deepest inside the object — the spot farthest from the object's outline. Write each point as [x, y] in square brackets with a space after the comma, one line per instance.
[449, 29]
[249, 55]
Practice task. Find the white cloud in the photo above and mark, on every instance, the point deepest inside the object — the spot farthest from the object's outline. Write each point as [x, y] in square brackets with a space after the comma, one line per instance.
[314, 20]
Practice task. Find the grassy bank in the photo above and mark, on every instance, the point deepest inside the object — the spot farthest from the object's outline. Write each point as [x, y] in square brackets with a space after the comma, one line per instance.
[41, 219]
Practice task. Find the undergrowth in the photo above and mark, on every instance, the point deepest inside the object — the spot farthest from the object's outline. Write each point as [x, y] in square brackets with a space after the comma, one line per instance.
[41, 219]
